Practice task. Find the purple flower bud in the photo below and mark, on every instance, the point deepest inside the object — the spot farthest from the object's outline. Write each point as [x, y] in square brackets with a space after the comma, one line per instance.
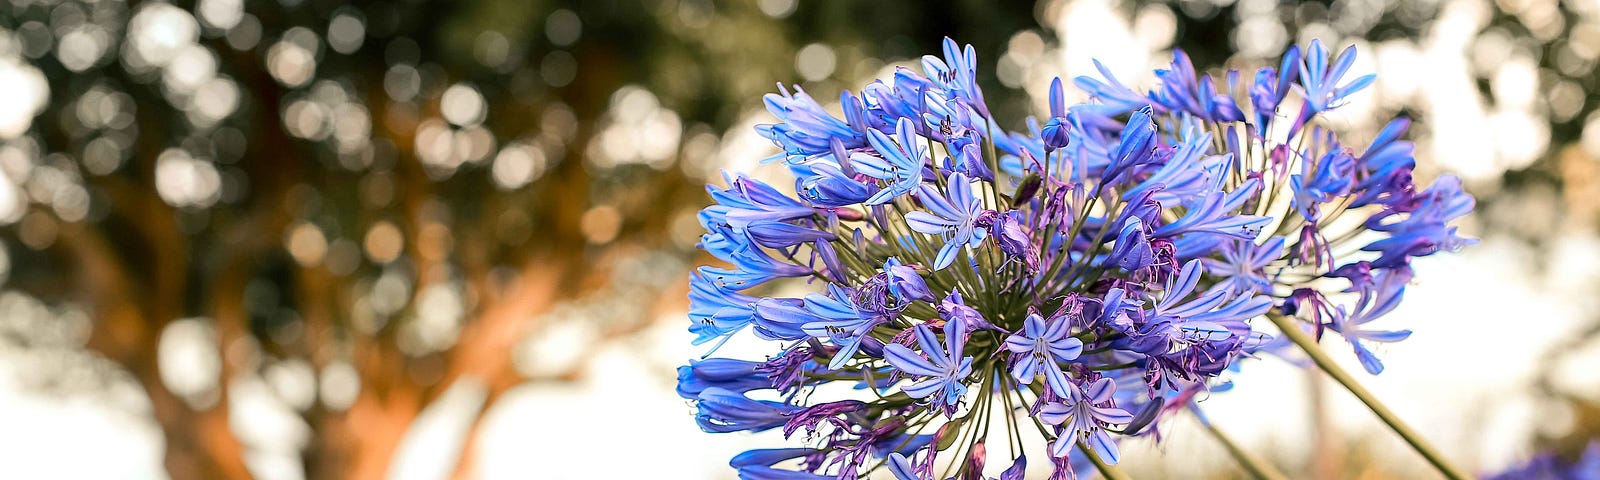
[722, 411]
[849, 214]
[976, 457]
[1145, 417]
[954, 310]
[1026, 190]
[1137, 143]
[830, 259]
[734, 375]
[905, 283]
[766, 457]
[1012, 236]
[1132, 250]
[772, 234]
[1056, 133]
[971, 162]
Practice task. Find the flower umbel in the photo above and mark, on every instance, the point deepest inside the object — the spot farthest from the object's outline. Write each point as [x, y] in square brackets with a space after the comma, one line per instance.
[1155, 228]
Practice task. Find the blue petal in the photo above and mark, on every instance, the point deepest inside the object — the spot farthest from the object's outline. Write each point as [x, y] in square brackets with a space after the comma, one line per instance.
[1103, 444]
[947, 255]
[1056, 378]
[1369, 361]
[907, 361]
[901, 468]
[924, 387]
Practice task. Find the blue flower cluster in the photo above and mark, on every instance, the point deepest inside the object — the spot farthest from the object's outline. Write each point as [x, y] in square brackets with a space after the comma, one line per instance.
[1548, 465]
[1088, 276]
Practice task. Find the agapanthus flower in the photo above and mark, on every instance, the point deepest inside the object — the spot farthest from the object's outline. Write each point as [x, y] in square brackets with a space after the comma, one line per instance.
[1085, 414]
[758, 464]
[737, 376]
[1179, 320]
[952, 216]
[722, 410]
[1243, 265]
[1549, 465]
[1380, 293]
[1044, 346]
[941, 373]
[1181, 91]
[806, 128]
[837, 319]
[1092, 275]
[1320, 75]
[1057, 131]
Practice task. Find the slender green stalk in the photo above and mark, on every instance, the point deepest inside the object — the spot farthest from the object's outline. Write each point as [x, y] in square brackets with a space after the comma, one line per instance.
[1110, 472]
[1421, 445]
[1251, 463]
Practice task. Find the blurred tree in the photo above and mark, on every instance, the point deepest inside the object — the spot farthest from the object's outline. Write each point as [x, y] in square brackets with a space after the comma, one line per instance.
[363, 205]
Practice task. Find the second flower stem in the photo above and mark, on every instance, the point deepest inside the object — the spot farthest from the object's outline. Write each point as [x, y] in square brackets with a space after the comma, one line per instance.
[1323, 361]
[1110, 472]
[1255, 465]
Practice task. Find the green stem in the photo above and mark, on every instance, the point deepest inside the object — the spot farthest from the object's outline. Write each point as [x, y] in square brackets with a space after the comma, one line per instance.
[1110, 472]
[1251, 463]
[1309, 345]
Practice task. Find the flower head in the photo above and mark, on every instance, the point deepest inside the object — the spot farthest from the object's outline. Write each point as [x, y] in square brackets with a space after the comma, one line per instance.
[1155, 226]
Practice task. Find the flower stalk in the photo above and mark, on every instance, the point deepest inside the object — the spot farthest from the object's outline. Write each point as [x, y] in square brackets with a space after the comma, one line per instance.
[1110, 472]
[1257, 467]
[1323, 361]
